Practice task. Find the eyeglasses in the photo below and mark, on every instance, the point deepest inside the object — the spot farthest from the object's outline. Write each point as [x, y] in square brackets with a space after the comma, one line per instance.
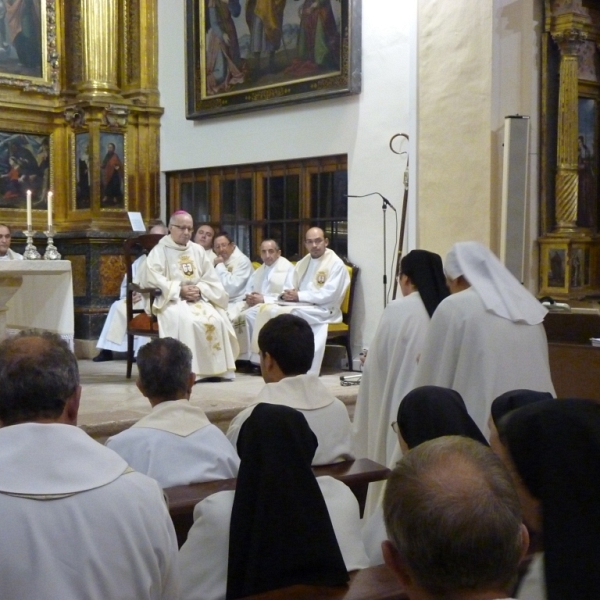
[222, 246]
[395, 427]
[190, 229]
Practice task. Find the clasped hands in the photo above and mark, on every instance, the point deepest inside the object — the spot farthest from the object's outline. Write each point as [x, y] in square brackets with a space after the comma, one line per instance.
[289, 296]
[190, 293]
[254, 298]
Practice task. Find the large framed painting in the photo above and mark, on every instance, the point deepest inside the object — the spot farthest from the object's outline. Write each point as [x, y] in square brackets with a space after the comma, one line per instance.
[113, 171]
[24, 165]
[251, 54]
[28, 44]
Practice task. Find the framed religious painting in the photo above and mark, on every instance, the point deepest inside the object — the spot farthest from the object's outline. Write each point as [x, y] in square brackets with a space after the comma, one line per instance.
[82, 170]
[113, 171]
[251, 54]
[28, 41]
[24, 166]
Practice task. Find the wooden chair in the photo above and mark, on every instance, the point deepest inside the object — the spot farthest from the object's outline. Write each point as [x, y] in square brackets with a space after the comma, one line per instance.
[340, 332]
[138, 321]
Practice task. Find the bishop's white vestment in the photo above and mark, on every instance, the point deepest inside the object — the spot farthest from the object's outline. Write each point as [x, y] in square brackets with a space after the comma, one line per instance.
[321, 284]
[203, 326]
[326, 415]
[177, 445]
[77, 522]
[203, 558]
[234, 274]
[388, 375]
[270, 281]
[482, 355]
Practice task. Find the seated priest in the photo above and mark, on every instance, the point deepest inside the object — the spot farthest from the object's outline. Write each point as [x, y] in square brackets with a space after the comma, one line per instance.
[175, 444]
[233, 267]
[5, 238]
[320, 283]
[113, 337]
[286, 351]
[191, 307]
[205, 235]
[265, 286]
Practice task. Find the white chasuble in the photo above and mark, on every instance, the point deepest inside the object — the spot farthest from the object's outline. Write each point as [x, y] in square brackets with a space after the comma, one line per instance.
[234, 274]
[203, 326]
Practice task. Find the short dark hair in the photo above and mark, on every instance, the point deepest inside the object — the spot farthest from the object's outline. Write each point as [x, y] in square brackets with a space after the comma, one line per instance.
[222, 234]
[452, 512]
[164, 366]
[7, 227]
[35, 381]
[291, 343]
[271, 240]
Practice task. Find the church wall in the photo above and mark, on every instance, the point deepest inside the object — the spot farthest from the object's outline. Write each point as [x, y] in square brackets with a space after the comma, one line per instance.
[359, 126]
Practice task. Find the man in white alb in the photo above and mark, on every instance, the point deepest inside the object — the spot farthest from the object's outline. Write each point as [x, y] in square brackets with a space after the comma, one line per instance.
[113, 337]
[265, 286]
[205, 235]
[76, 520]
[320, 283]
[176, 443]
[5, 238]
[233, 267]
[192, 305]
[286, 351]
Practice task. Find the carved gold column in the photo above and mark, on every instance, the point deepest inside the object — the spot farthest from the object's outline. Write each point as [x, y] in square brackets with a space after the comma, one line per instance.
[100, 38]
[568, 130]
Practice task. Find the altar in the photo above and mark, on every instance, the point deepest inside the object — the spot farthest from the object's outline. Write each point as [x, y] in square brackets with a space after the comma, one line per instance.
[38, 294]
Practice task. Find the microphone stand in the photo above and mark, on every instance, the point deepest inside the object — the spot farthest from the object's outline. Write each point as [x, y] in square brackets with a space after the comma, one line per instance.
[384, 206]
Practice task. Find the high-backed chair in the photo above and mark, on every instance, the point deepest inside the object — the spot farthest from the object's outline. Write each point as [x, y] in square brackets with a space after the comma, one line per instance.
[138, 321]
[339, 333]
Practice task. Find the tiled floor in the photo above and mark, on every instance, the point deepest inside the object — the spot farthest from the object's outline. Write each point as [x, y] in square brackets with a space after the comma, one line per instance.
[111, 403]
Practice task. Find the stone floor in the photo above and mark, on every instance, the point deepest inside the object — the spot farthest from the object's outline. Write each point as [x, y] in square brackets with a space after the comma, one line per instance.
[110, 402]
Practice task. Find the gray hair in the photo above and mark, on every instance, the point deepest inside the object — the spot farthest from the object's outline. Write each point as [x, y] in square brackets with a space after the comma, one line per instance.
[36, 378]
[452, 513]
[164, 366]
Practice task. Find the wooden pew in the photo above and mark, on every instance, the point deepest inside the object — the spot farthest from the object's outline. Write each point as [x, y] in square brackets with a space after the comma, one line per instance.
[374, 583]
[356, 474]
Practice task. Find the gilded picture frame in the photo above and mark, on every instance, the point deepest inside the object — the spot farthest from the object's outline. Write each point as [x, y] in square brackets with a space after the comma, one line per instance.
[113, 172]
[28, 45]
[25, 164]
[245, 55]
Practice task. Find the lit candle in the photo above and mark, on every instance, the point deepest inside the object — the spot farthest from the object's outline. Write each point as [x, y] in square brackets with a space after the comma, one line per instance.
[29, 224]
[49, 211]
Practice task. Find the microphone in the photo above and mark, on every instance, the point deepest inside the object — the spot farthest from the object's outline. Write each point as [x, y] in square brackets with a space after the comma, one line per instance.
[385, 200]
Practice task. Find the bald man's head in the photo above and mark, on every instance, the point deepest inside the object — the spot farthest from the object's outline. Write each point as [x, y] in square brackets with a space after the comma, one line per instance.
[316, 242]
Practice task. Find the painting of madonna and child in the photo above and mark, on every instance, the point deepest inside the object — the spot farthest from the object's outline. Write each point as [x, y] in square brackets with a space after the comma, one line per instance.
[253, 50]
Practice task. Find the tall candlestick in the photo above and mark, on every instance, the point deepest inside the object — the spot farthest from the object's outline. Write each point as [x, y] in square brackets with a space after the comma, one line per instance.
[29, 221]
[49, 210]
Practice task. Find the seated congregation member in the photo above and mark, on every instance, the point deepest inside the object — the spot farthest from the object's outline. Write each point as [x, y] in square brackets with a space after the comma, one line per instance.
[204, 237]
[454, 523]
[320, 282]
[176, 443]
[552, 449]
[425, 413]
[5, 239]
[487, 337]
[390, 368]
[192, 305]
[286, 350]
[280, 527]
[76, 520]
[233, 267]
[114, 333]
[264, 287]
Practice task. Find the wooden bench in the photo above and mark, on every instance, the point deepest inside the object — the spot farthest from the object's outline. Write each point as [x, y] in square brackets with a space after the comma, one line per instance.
[374, 583]
[356, 474]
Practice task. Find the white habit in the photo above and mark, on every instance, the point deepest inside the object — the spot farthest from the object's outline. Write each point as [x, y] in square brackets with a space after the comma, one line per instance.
[326, 415]
[388, 376]
[11, 255]
[268, 281]
[203, 326]
[234, 274]
[321, 284]
[77, 522]
[177, 445]
[203, 558]
[114, 331]
[482, 355]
